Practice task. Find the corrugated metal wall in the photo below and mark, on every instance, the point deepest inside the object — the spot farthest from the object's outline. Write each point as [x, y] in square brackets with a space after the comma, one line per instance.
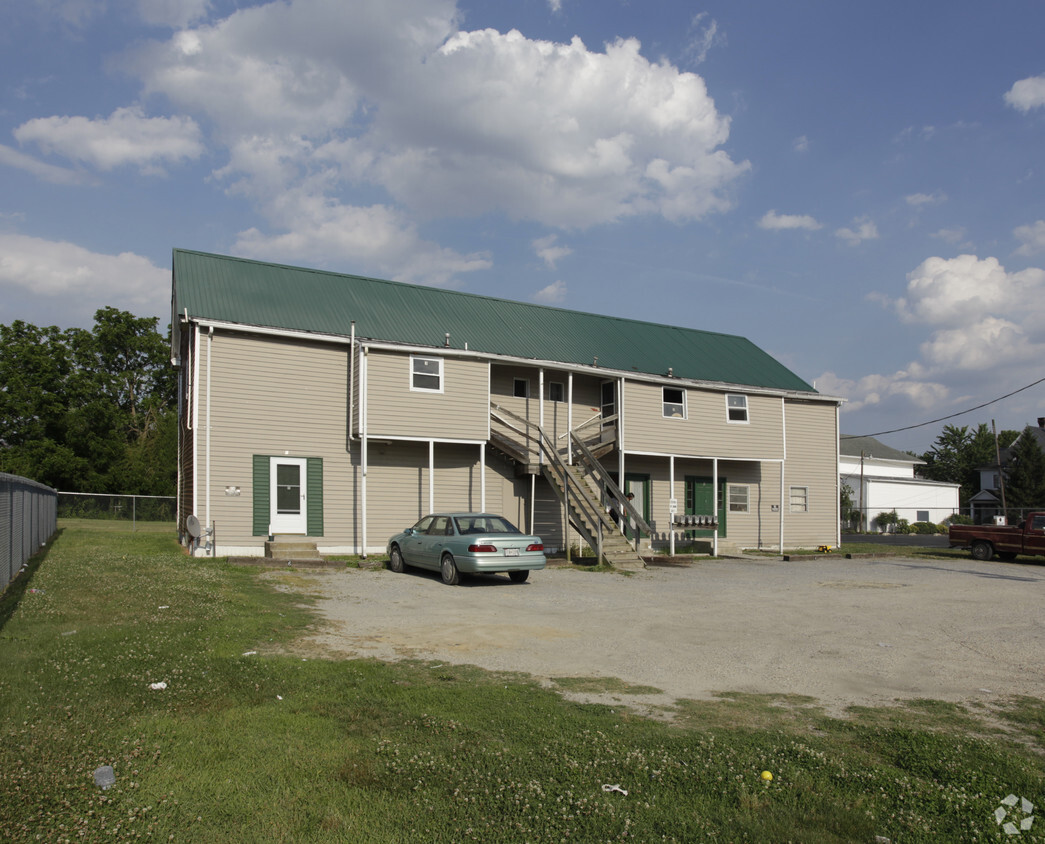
[28, 518]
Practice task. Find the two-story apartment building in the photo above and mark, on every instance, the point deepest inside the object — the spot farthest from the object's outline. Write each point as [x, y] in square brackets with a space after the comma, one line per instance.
[343, 408]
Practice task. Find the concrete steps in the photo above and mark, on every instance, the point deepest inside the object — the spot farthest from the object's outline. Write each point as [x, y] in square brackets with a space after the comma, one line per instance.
[292, 549]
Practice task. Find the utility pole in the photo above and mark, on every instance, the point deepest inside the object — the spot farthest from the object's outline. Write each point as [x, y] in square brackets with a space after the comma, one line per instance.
[1001, 471]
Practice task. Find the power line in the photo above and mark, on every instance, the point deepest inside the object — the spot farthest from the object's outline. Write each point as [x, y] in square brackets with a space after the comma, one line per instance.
[945, 418]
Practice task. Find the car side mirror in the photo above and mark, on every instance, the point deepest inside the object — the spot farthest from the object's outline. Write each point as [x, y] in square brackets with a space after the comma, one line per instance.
[408, 532]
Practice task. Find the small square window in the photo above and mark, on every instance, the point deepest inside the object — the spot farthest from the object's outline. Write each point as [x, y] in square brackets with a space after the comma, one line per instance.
[521, 390]
[922, 516]
[738, 498]
[799, 499]
[736, 408]
[426, 374]
[674, 402]
[556, 391]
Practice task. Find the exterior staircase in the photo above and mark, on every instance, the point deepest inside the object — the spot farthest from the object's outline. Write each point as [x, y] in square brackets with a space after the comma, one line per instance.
[582, 486]
[292, 549]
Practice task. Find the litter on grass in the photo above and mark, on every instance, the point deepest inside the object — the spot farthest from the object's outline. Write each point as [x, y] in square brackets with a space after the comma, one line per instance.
[158, 686]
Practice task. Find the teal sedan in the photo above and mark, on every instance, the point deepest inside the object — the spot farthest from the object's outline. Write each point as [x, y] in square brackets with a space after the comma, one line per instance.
[468, 543]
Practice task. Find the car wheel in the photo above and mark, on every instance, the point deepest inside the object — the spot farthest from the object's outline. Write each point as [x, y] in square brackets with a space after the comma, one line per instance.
[448, 570]
[395, 560]
[519, 576]
[982, 551]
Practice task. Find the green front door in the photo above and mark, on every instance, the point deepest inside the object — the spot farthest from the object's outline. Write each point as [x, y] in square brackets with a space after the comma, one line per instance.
[700, 501]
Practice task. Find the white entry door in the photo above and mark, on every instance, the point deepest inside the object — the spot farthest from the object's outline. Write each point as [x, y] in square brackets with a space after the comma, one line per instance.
[287, 495]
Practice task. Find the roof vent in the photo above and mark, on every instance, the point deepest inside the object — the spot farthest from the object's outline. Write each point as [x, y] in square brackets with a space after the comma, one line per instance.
[447, 341]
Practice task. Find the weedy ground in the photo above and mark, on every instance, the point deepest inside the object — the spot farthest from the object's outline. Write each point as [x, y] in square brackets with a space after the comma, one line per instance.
[246, 743]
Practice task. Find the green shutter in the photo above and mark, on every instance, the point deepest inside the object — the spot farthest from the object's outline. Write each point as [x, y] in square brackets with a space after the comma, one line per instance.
[314, 491]
[261, 494]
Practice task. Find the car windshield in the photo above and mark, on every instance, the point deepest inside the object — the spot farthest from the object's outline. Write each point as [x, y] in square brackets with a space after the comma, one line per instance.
[473, 525]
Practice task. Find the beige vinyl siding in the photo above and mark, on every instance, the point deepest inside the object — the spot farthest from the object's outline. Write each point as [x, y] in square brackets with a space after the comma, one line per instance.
[704, 431]
[270, 396]
[812, 462]
[461, 411]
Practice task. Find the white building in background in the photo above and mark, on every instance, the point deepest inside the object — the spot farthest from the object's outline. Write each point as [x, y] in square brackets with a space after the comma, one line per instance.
[881, 479]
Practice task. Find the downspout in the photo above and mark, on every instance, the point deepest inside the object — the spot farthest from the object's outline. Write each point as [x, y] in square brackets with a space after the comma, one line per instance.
[195, 508]
[210, 355]
[838, 488]
[620, 435]
[363, 447]
[482, 476]
[351, 385]
[569, 419]
[431, 476]
[671, 497]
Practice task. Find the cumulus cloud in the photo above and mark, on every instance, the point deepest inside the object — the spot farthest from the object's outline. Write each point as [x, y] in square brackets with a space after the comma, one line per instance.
[862, 229]
[127, 136]
[548, 251]
[79, 280]
[394, 96]
[553, 294]
[42, 170]
[775, 222]
[917, 200]
[1031, 237]
[1027, 94]
[984, 328]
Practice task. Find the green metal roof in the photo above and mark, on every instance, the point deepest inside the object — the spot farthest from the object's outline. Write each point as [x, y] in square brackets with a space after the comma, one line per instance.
[254, 293]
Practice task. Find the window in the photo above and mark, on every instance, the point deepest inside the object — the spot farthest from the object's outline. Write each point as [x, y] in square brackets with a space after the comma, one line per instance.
[674, 402]
[736, 408]
[738, 498]
[522, 388]
[799, 499]
[922, 516]
[426, 374]
[556, 391]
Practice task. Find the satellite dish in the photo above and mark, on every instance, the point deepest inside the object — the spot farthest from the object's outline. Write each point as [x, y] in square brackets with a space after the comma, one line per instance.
[192, 525]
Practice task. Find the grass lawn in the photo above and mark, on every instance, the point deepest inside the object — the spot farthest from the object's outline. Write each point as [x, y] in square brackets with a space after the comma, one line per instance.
[249, 743]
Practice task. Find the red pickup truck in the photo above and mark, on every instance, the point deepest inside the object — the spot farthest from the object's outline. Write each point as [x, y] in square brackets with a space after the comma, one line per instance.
[984, 541]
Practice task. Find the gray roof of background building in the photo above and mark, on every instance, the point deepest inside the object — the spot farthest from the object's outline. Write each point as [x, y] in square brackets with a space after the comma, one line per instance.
[870, 447]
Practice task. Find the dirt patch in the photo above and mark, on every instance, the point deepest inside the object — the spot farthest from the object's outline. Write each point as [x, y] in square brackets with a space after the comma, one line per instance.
[845, 632]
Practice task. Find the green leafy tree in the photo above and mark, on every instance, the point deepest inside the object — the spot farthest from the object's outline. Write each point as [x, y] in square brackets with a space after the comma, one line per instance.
[89, 411]
[1025, 473]
[958, 453]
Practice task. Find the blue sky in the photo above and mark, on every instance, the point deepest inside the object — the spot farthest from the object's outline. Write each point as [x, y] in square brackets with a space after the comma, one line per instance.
[858, 189]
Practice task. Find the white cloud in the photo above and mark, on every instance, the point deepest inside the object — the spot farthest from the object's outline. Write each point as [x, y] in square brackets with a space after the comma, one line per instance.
[48, 172]
[917, 200]
[377, 239]
[547, 250]
[78, 279]
[553, 294]
[1032, 238]
[555, 5]
[393, 95]
[127, 136]
[1027, 94]
[703, 35]
[775, 222]
[986, 327]
[800, 144]
[863, 229]
[174, 13]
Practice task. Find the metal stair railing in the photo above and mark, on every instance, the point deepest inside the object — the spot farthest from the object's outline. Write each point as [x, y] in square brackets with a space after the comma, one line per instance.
[605, 482]
[584, 512]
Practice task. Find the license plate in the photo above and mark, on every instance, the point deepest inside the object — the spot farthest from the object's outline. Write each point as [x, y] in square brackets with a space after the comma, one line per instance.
[511, 552]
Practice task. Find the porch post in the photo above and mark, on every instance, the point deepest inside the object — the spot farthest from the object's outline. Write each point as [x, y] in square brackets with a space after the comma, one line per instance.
[482, 477]
[671, 497]
[714, 505]
[431, 476]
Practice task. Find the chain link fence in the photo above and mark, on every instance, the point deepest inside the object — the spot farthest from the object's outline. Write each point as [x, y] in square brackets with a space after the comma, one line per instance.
[132, 509]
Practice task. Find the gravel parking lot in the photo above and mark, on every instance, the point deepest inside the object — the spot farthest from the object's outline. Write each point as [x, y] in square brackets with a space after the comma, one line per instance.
[867, 631]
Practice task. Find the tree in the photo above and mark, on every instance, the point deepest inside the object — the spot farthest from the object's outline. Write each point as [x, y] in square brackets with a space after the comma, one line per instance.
[1025, 473]
[89, 411]
[958, 453]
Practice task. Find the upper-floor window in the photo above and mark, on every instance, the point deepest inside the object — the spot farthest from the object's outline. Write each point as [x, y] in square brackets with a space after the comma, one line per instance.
[556, 391]
[799, 499]
[521, 388]
[736, 408]
[674, 402]
[426, 374]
